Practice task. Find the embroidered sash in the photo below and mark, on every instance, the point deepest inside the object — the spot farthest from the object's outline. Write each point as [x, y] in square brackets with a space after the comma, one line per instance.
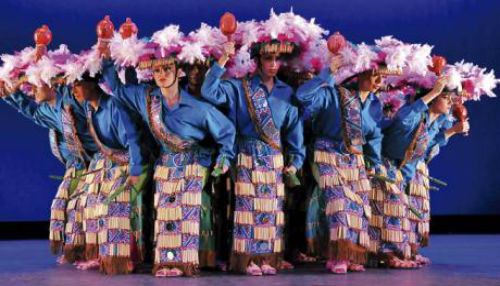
[70, 135]
[418, 145]
[54, 145]
[262, 116]
[352, 131]
[119, 157]
[160, 130]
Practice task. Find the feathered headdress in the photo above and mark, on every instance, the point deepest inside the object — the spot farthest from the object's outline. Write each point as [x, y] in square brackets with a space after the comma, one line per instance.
[164, 47]
[276, 36]
[202, 45]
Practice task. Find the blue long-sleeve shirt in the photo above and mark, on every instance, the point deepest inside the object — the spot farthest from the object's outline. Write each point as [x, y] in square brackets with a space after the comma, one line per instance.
[115, 130]
[399, 135]
[230, 94]
[435, 145]
[320, 98]
[191, 119]
[50, 116]
[67, 157]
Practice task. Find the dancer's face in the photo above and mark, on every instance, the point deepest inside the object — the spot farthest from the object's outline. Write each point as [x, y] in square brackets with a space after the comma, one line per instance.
[370, 81]
[166, 75]
[442, 104]
[84, 91]
[269, 64]
[196, 74]
[43, 93]
[78, 93]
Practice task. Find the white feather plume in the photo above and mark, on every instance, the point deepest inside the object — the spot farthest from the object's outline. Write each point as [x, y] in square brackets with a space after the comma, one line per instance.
[42, 72]
[191, 52]
[168, 36]
[126, 52]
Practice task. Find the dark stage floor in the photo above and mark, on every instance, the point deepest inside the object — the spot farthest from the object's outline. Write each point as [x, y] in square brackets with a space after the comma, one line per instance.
[457, 260]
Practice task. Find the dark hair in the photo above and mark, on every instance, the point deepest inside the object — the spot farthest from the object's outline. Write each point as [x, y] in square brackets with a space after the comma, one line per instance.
[421, 92]
[87, 78]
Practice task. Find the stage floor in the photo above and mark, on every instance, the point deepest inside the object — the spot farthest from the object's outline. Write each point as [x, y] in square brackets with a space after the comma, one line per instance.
[457, 260]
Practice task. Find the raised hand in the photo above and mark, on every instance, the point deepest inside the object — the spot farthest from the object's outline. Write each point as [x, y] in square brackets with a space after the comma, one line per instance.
[336, 63]
[290, 170]
[228, 49]
[103, 48]
[440, 84]
[461, 127]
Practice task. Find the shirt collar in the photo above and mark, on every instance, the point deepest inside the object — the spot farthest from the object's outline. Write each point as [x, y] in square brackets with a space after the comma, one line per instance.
[256, 81]
[100, 102]
[183, 100]
[439, 120]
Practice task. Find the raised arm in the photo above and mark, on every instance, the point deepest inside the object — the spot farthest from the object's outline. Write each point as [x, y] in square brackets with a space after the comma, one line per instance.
[215, 90]
[42, 114]
[130, 95]
[316, 93]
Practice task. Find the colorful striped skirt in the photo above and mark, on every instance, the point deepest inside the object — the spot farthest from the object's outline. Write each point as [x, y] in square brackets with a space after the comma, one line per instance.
[90, 201]
[420, 199]
[389, 224]
[344, 183]
[65, 233]
[119, 213]
[179, 180]
[258, 210]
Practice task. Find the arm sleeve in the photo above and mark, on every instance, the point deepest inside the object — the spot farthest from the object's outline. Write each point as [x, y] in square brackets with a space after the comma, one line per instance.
[131, 96]
[314, 94]
[294, 137]
[43, 115]
[223, 132]
[410, 115]
[214, 89]
[129, 136]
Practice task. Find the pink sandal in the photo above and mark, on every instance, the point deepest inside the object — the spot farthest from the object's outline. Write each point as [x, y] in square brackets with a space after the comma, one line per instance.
[420, 259]
[339, 267]
[268, 269]
[89, 265]
[356, 267]
[174, 272]
[286, 265]
[61, 260]
[162, 272]
[253, 270]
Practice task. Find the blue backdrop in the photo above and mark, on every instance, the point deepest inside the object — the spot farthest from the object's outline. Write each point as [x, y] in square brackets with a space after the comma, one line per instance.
[459, 29]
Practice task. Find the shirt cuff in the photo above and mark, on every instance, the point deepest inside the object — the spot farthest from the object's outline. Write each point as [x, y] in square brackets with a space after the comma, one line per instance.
[297, 162]
[216, 70]
[227, 161]
[441, 139]
[135, 170]
[106, 63]
[327, 77]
